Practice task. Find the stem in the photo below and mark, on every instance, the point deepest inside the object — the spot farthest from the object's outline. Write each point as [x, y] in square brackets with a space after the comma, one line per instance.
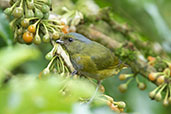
[129, 81]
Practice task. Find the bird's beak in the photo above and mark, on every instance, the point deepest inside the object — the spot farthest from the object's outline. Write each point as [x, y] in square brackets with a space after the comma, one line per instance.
[59, 41]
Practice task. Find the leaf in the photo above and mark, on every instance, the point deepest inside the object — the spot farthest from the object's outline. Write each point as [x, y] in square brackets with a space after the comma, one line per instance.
[11, 57]
[5, 31]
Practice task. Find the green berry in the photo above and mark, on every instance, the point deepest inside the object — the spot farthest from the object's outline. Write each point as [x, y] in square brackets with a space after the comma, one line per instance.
[158, 97]
[25, 23]
[46, 71]
[18, 12]
[45, 8]
[152, 94]
[8, 11]
[49, 2]
[38, 13]
[165, 102]
[20, 31]
[46, 16]
[30, 5]
[29, 13]
[121, 104]
[123, 87]
[49, 56]
[37, 39]
[141, 86]
[122, 77]
[55, 36]
[46, 38]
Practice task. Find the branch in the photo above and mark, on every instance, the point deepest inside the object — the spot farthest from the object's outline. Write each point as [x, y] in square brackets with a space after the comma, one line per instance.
[139, 65]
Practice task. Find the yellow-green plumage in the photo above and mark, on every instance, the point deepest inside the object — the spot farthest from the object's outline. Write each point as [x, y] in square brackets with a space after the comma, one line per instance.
[90, 58]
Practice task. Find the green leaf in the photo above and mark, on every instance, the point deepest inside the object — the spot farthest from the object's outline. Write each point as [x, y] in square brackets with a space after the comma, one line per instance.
[11, 57]
[5, 31]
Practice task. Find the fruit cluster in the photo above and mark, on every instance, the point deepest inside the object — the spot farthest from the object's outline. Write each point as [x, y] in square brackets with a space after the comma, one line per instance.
[163, 80]
[30, 21]
[123, 87]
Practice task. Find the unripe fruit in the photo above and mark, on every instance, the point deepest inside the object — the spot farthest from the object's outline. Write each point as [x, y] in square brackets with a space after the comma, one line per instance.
[49, 56]
[102, 89]
[25, 23]
[141, 86]
[38, 13]
[121, 104]
[46, 15]
[158, 97]
[28, 37]
[46, 71]
[37, 39]
[8, 11]
[45, 8]
[49, 2]
[30, 5]
[123, 87]
[160, 80]
[29, 13]
[55, 36]
[152, 94]
[20, 31]
[165, 102]
[18, 12]
[46, 38]
[122, 77]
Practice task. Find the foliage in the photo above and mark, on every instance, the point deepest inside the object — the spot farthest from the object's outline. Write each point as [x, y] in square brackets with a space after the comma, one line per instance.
[136, 31]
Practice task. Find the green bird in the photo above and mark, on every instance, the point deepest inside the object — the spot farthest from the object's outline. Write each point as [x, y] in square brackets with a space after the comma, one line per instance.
[90, 58]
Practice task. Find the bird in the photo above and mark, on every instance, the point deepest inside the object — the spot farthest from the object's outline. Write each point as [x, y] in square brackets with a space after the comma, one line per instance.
[89, 58]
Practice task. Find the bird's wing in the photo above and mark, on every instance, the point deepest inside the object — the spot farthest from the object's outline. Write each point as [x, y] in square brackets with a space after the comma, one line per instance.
[101, 56]
[83, 63]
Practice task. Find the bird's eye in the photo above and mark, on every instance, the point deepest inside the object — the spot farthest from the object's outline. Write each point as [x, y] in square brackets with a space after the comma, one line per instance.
[70, 39]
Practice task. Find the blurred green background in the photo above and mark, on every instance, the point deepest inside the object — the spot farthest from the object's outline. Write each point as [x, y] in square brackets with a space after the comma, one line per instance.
[152, 18]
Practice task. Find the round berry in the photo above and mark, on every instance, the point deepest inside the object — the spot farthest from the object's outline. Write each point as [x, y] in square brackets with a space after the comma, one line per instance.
[30, 5]
[37, 40]
[121, 104]
[29, 13]
[25, 23]
[152, 94]
[18, 12]
[46, 38]
[38, 13]
[123, 88]
[46, 16]
[122, 77]
[55, 36]
[160, 80]
[49, 56]
[165, 102]
[32, 28]
[150, 58]
[28, 37]
[45, 72]
[141, 86]
[45, 8]
[152, 76]
[20, 31]
[8, 11]
[158, 97]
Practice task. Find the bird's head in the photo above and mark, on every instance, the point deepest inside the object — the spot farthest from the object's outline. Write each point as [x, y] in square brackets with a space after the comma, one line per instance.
[73, 42]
